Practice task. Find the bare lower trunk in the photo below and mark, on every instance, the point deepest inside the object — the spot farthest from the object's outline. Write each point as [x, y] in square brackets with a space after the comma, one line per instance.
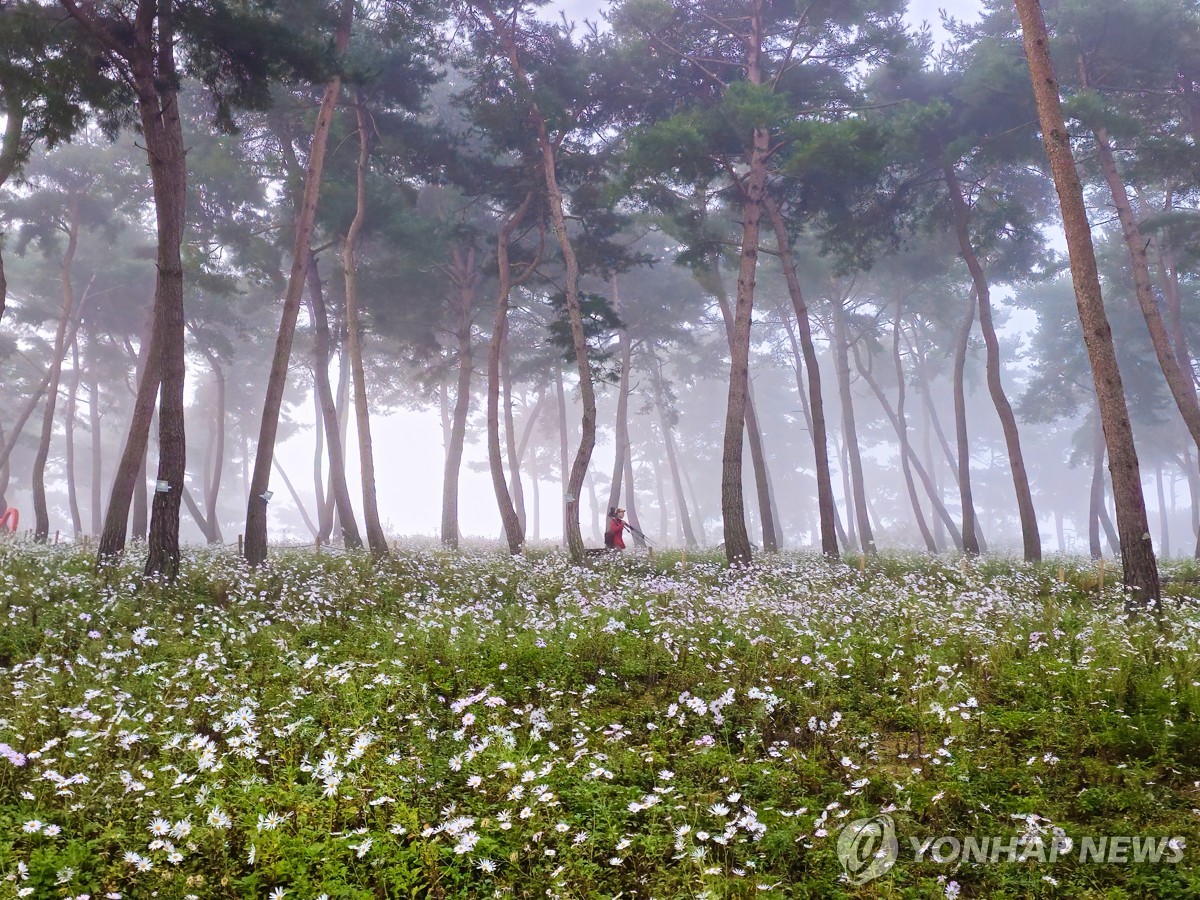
[515, 486]
[850, 539]
[631, 498]
[1140, 568]
[338, 493]
[256, 507]
[296, 499]
[376, 539]
[465, 279]
[563, 450]
[513, 532]
[970, 526]
[72, 405]
[1164, 527]
[41, 527]
[1030, 536]
[758, 458]
[621, 425]
[685, 519]
[849, 430]
[816, 404]
[94, 424]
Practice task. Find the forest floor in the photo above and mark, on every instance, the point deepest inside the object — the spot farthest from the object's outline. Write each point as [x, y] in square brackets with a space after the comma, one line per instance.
[472, 725]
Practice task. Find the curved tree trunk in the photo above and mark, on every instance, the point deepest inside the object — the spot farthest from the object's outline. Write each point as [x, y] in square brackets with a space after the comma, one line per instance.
[1030, 536]
[816, 404]
[256, 506]
[563, 451]
[841, 349]
[970, 526]
[906, 450]
[513, 532]
[338, 491]
[376, 539]
[41, 527]
[212, 482]
[465, 277]
[1140, 568]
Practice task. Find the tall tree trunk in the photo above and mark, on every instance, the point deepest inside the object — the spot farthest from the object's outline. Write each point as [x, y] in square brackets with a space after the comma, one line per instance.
[376, 539]
[758, 456]
[94, 424]
[1030, 536]
[1193, 482]
[753, 189]
[850, 539]
[338, 493]
[900, 425]
[621, 423]
[515, 485]
[816, 404]
[139, 523]
[464, 276]
[256, 507]
[72, 405]
[849, 430]
[934, 488]
[1163, 516]
[554, 198]
[11, 151]
[324, 510]
[212, 480]
[685, 519]
[563, 450]
[631, 514]
[513, 533]
[1140, 568]
[41, 527]
[970, 526]
[537, 500]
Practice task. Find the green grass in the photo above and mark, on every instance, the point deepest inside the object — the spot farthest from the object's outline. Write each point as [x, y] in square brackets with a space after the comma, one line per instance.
[471, 725]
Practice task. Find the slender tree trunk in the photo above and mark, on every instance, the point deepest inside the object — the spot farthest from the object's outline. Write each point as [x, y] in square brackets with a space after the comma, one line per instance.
[1030, 535]
[41, 527]
[933, 487]
[513, 533]
[816, 404]
[256, 507]
[338, 492]
[72, 406]
[685, 519]
[1140, 567]
[376, 539]
[970, 526]
[10, 154]
[515, 485]
[563, 450]
[94, 423]
[1193, 481]
[212, 483]
[850, 539]
[308, 522]
[849, 430]
[1059, 530]
[631, 497]
[1163, 517]
[464, 276]
[758, 457]
[621, 425]
[324, 510]
[537, 501]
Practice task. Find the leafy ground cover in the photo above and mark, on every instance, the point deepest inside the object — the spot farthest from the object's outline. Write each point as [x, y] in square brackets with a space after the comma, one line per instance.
[472, 725]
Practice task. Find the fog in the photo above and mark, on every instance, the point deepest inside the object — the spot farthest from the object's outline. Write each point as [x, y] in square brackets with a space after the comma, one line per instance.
[913, 190]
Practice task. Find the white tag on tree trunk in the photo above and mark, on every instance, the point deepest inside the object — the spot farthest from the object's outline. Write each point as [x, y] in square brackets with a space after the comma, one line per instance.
[267, 495]
[162, 487]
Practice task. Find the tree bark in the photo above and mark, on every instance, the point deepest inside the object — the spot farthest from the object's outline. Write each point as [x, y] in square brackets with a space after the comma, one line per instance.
[816, 404]
[513, 533]
[849, 430]
[256, 506]
[10, 153]
[1030, 535]
[515, 485]
[72, 406]
[41, 527]
[464, 277]
[621, 423]
[970, 526]
[212, 477]
[1140, 568]
[94, 424]
[331, 417]
[563, 450]
[376, 539]
[685, 519]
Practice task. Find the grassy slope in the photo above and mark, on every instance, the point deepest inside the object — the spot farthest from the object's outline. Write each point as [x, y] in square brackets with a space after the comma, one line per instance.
[517, 726]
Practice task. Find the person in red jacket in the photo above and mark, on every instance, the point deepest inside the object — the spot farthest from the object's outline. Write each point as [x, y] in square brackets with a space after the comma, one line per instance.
[614, 534]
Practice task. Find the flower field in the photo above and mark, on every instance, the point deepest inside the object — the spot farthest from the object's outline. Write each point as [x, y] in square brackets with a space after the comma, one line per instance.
[472, 725]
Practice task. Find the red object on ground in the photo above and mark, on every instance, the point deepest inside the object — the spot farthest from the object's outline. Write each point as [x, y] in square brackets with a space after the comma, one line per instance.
[10, 519]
